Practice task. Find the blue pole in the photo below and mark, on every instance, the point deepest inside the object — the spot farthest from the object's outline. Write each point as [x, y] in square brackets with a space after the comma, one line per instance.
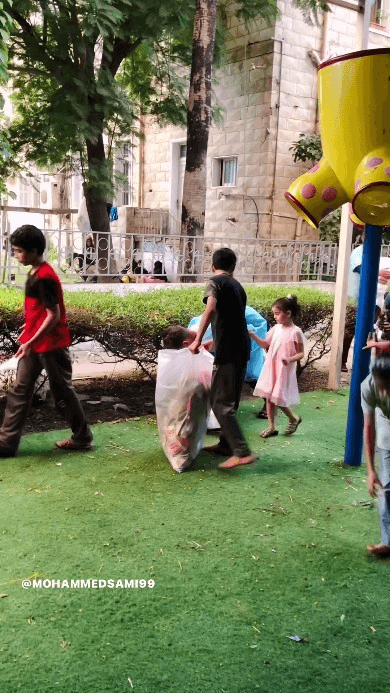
[364, 325]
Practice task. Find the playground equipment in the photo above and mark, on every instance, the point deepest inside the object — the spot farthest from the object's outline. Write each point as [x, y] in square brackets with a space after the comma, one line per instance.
[354, 92]
[353, 101]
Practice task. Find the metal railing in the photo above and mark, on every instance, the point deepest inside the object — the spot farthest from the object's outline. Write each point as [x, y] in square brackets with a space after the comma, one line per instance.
[99, 256]
[112, 256]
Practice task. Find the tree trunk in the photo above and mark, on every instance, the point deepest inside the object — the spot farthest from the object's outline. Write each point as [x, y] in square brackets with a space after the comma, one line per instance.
[97, 205]
[198, 126]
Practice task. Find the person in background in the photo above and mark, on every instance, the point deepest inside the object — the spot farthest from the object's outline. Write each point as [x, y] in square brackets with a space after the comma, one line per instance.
[353, 292]
[159, 271]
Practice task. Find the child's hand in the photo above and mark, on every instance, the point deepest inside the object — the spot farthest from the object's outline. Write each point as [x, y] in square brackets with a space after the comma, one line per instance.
[286, 362]
[251, 334]
[23, 351]
[194, 347]
[209, 346]
[373, 483]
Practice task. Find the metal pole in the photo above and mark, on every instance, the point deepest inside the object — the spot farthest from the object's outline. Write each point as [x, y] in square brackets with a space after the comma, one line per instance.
[361, 359]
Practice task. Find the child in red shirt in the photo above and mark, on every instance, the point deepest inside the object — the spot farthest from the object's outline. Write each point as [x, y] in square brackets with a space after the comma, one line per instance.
[44, 345]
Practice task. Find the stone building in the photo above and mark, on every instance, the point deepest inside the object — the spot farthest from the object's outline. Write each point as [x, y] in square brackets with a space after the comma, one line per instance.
[268, 90]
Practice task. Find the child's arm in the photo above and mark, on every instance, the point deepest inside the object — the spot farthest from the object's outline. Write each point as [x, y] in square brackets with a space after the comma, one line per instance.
[373, 481]
[299, 354]
[261, 342]
[384, 347]
[52, 317]
[204, 323]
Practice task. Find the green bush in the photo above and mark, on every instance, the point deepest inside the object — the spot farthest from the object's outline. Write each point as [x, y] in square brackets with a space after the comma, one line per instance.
[131, 326]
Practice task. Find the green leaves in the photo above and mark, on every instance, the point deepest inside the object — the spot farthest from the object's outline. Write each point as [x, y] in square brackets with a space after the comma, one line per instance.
[307, 148]
[5, 29]
[311, 8]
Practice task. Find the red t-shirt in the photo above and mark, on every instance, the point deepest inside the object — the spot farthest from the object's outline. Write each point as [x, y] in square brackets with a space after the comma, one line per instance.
[43, 290]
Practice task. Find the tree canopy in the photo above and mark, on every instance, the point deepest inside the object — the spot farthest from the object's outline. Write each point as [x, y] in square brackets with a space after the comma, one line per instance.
[84, 67]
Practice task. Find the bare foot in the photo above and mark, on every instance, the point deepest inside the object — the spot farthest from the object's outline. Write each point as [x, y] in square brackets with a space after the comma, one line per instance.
[379, 549]
[236, 462]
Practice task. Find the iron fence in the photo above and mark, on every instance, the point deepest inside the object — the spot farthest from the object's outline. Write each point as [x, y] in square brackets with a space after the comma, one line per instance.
[116, 256]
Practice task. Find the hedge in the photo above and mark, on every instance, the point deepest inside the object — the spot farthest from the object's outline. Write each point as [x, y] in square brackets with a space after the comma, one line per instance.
[131, 326]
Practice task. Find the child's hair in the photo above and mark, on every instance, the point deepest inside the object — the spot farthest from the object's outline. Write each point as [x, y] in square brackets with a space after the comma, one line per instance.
[174, 336]
[288, 303]
[29, 238]
[381, 369]
[224, 259]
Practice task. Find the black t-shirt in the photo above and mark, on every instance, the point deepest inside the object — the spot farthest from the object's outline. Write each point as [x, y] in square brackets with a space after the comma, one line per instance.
[230, 331]
[43, 289]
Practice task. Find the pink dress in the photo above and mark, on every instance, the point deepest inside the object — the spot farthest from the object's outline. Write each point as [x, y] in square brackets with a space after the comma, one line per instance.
[278, 382]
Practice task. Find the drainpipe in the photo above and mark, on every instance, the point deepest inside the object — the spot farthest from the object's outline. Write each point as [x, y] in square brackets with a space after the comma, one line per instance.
[324, 36]
[141, 167]
[366, 22]
[277, 133]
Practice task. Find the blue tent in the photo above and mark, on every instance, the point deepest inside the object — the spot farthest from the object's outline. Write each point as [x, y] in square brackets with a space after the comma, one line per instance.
[258, 325]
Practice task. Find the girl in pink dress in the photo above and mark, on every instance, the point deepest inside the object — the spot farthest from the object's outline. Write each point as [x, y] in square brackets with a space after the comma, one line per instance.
[278, 379]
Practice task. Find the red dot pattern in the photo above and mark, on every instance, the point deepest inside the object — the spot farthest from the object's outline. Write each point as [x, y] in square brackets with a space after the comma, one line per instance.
[373, 163]
[308, 191]
[387, 171]
[329, 194]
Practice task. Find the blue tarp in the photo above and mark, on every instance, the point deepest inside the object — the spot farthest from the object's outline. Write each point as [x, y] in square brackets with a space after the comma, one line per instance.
[258, 325]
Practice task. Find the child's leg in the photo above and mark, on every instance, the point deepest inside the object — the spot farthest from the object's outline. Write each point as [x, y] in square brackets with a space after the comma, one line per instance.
[225, 394]
[271, 411]
[294, 420]
[58, 367]
[290, 414]
[383, 504]
[18, 404]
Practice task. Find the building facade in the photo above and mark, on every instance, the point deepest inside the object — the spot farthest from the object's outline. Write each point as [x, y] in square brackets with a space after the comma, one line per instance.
[268, 92]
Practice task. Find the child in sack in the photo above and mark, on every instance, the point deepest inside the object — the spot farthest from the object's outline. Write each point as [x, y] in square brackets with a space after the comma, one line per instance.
[182, 397]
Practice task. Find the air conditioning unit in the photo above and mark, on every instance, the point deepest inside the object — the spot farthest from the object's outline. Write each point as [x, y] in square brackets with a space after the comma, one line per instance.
[50, 195]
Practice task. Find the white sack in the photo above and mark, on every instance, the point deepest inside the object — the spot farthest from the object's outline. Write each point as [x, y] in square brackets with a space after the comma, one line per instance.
[182, 403]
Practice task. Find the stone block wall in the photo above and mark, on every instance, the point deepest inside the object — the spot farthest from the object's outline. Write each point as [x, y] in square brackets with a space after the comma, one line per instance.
[268, 90]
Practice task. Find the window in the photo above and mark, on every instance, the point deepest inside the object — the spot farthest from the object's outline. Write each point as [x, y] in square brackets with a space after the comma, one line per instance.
[127, 173]
[378, 14]
[225, 171]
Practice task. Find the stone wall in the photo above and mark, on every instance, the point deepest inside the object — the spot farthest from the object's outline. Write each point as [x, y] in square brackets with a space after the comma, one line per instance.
[268, 90]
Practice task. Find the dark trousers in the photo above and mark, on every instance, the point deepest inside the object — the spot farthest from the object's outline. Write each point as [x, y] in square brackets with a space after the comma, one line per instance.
[226, 386]
[349, 333]
[58, 367]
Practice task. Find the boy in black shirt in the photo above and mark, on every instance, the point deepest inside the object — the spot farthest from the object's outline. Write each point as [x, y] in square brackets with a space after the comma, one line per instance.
[225, 305]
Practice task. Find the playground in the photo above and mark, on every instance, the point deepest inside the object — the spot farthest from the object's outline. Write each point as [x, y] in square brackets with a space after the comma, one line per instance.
[120, 575]
[241, 562]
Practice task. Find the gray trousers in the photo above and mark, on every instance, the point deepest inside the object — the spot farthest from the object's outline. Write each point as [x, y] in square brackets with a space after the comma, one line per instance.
[58, 367]
[384, 495]
[226, 386]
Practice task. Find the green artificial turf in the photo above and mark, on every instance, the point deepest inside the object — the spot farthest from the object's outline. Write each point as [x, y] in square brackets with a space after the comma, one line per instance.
[241, 561]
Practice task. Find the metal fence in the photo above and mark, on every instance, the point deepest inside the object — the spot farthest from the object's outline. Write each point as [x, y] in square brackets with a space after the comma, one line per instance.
[139, 257]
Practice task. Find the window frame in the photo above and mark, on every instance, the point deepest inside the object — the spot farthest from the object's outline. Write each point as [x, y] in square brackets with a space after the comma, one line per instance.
[219, 171]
